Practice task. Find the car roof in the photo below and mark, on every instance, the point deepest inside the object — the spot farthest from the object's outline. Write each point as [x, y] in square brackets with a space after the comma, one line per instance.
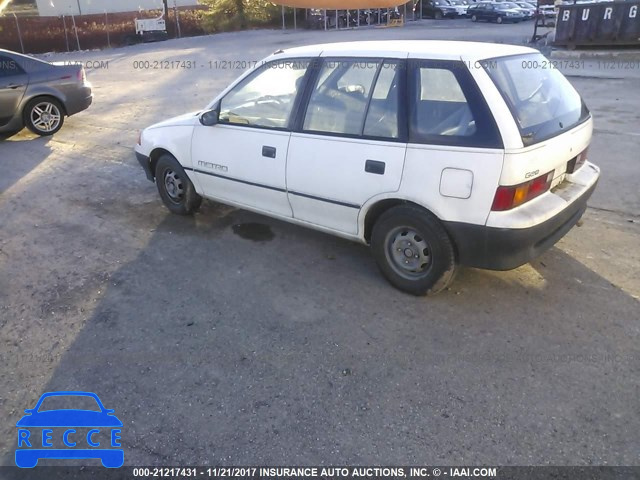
[428, 49]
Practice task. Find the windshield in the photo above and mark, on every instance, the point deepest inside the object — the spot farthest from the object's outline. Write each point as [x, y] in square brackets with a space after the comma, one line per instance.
[541, 99]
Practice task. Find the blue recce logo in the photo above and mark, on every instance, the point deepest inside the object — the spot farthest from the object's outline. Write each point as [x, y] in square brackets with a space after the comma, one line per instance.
[62, 423]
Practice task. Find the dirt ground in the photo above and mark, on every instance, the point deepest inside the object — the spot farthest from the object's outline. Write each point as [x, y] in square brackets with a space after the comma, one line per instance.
[291, 348]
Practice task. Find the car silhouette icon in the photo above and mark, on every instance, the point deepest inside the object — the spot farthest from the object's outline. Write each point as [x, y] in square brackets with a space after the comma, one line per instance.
[40, 427]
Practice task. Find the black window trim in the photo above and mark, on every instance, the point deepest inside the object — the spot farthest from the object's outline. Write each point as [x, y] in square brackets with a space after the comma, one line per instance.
[485, 122]
[296, 101]
[402, 99]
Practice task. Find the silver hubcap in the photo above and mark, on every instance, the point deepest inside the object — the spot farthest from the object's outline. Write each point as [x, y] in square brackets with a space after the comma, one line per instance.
[408, 253]
[45, 117]
[174, 186]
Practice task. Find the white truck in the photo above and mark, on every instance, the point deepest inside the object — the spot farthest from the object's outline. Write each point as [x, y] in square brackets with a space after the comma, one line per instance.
[150, 29]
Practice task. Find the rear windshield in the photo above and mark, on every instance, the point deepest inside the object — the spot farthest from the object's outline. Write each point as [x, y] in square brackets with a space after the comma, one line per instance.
[541, 99]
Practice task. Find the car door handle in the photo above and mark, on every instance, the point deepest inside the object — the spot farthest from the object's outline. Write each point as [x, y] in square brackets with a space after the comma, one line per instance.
[269, 152]
[13, 86]
[374, 166]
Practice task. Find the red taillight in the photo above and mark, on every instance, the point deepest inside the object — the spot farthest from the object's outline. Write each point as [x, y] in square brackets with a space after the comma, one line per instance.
[576, 162]
[82, 76]
[512, 196]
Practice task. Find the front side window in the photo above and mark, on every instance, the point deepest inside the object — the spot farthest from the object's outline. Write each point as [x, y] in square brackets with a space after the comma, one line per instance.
[447, 107]
[542, 100]
[265, 98]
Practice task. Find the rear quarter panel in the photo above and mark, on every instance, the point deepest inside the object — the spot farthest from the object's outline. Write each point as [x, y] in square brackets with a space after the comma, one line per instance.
[56, 81]
[427, 179]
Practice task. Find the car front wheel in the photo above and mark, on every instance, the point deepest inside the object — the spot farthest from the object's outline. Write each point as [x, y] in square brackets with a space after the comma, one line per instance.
[176, 190]
[44, 116]
[413, 250]
[499, 20]
[474, 18]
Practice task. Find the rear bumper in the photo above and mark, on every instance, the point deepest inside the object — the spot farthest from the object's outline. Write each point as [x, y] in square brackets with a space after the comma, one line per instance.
[145, 163]
[506, 248]
[79, 100]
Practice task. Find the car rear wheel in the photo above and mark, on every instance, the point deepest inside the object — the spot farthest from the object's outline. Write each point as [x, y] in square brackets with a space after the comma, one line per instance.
[474, 18]
[499, 20]
[176, 190]
[413, 250]
[44, 116]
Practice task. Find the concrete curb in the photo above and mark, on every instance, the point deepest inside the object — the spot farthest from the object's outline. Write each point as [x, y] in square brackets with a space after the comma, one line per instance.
[596, 54]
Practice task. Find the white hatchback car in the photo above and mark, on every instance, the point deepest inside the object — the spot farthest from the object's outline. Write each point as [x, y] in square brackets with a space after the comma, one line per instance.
[434, 153]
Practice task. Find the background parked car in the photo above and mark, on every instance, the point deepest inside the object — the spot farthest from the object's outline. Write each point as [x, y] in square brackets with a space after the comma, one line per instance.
[39, 94]
[494, 12]
[439, 9]
[461, 6]
[528, 10]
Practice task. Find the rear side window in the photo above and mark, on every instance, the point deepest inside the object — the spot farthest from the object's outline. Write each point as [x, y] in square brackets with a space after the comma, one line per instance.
[338, 103]
[356, 97]
[541, 99]
[382, 115]
[9, 67]
[447, 108]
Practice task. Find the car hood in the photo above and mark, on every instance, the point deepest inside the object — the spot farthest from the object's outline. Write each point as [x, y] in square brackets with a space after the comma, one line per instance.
[69, 418]
[185, 119]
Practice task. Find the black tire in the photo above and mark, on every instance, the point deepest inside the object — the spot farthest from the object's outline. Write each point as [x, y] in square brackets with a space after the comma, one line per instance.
[44, 116]
[408, 235]
[474, 18]
[499, 19]
[176, 190]
[437, 15]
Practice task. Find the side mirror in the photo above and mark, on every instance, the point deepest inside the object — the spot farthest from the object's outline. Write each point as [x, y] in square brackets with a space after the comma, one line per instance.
[210, 117]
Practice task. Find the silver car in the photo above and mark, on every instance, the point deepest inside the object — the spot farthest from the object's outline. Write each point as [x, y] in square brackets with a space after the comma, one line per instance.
[38, 95]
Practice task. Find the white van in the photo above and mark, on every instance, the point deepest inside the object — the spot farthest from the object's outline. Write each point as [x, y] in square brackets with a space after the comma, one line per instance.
[436, 154]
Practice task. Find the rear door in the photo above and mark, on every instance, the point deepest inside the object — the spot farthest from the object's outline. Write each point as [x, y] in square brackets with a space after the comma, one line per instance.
[350, 142]
[13, 85]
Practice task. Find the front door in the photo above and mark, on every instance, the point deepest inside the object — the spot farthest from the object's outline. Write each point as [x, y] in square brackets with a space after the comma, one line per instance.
[242, 158]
